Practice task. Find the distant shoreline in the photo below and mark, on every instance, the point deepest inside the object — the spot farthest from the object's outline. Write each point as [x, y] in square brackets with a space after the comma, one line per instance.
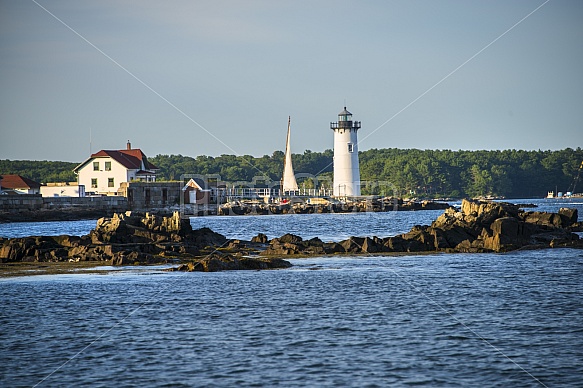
[53, 215]
[79, 214]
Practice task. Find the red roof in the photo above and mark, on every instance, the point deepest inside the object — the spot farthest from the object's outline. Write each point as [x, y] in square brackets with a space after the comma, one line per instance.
[131, 159]
[11, 181]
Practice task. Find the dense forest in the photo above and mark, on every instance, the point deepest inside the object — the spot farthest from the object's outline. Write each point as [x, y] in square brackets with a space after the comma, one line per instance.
[420, 173]
[40, 171]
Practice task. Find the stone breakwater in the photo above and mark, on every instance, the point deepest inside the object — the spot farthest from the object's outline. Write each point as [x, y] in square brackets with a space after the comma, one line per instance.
[129, 238]
[298, 206]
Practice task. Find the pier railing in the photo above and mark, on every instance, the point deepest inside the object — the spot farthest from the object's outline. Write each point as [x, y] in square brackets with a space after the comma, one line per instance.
[250, 192]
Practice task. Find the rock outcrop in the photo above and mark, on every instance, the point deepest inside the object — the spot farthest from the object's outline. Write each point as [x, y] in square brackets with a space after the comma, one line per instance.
[216, 262]
[290, 244]
[499, 227]
[480, 226]
[126, 238]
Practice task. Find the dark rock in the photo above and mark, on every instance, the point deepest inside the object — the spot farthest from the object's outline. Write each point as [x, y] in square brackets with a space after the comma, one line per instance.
[204, 237]
[552, 220]
[418, 239]
[290, 238]
[132, 258]
[440, 239]
[526, 205]
[277, 248]
[372, 245]
[215, 263]
[568, 216]
[399, 244]
[263, 263]
[260, 238]
[290, 244]
[36, 248]
[554, 237]
[332, 247]
[235, 244]
[69, 241]
[488, 211]
[352, 244]
[315, 242]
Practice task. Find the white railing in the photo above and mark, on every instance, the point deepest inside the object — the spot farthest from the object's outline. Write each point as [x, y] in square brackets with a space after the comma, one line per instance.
[246, 192]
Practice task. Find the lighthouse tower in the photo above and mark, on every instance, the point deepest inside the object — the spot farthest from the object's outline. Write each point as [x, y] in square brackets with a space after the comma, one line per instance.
[346, 170]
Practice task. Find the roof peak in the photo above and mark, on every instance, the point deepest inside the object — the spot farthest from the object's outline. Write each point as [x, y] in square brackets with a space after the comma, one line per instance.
[344, 112]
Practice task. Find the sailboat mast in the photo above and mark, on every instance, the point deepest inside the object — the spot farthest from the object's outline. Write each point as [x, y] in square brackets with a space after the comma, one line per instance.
[285, 154]
[289, 179]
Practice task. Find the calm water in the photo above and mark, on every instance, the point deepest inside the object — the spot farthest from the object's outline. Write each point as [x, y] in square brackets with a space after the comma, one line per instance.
[431, 320]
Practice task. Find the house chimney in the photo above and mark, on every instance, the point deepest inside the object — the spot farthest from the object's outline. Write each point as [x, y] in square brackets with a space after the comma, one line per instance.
[129, 145]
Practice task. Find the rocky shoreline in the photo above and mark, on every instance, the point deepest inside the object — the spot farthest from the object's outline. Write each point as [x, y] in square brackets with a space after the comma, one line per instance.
[479, 226]
[131, 239]
[298, 206]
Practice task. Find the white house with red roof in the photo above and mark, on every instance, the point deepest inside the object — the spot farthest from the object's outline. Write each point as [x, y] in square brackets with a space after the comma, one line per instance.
[104, 171]
[18, 184]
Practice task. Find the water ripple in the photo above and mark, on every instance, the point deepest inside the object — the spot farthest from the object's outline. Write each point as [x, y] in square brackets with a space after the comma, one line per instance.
[402, 321]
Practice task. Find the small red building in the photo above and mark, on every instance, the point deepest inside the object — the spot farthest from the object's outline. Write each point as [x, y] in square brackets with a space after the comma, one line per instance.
[18, 184]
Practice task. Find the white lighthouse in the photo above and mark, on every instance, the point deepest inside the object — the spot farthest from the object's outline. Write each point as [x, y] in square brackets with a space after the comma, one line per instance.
[346, 170]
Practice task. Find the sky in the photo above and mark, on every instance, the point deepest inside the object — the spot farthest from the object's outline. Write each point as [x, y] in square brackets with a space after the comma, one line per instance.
[221, 77]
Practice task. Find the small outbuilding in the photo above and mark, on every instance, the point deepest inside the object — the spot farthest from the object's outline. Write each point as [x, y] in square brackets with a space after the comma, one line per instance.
[196, 192]
[18, 184]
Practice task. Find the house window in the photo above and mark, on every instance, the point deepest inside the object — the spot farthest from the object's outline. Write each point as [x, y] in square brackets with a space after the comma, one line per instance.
[109, 182]
[93, 183]
[350, 147]
[107, 166]
[95, 166]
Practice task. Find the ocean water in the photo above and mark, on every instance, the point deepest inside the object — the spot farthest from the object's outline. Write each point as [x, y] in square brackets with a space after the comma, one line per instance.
[442, 320]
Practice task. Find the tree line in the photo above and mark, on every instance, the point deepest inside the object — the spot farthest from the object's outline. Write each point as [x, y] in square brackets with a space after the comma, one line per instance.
[508, 173]
[40, 171]
[412, 172]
